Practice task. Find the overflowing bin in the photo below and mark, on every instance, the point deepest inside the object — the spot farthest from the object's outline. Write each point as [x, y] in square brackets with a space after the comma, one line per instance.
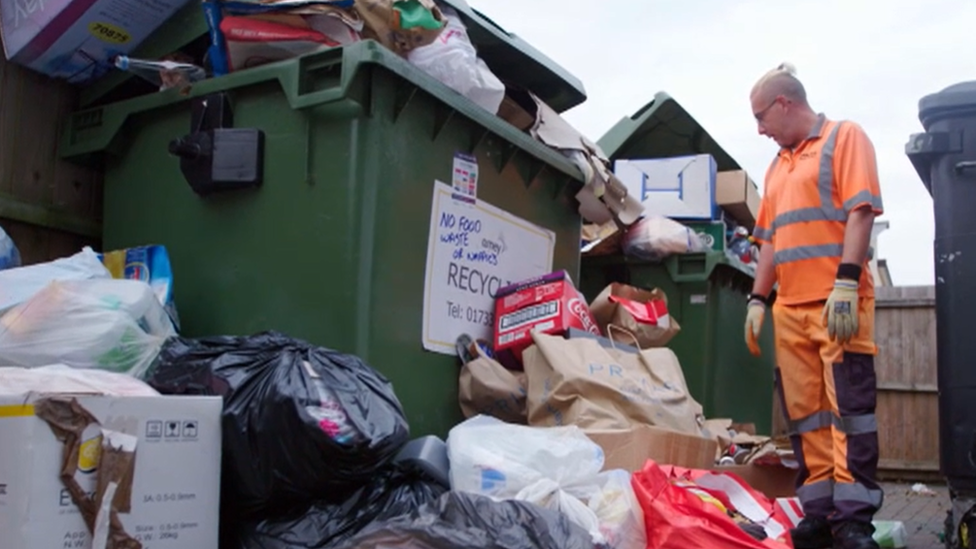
[707, 296]
[336, 155]
[707, 292]
[945, 158]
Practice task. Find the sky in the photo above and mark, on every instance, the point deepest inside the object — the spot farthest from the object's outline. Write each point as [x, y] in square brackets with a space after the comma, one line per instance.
[865, 61]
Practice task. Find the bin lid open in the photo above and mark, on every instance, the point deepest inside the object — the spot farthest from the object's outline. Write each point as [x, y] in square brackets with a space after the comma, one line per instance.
[663, 129]
[514, 60]
[956, 100]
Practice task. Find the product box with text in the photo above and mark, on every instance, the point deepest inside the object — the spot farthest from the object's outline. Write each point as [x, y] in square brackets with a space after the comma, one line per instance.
[549, 304]
[74, 40]
[154, 460]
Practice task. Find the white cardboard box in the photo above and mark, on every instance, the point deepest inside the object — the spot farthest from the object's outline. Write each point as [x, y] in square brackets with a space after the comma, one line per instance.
[74, 39]
[682, 187]
[175, 497]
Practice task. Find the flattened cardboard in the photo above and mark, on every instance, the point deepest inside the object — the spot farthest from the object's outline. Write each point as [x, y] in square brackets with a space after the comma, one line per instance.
[631, 448]
[774, 481]
[737, 194]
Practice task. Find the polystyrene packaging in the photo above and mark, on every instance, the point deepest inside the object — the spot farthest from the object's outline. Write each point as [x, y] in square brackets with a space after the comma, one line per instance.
[452, 60]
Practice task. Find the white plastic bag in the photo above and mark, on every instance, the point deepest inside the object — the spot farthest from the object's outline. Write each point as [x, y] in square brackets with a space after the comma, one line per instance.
[452, 60]
[115, 325]
[619, 512]
[655, 238]
[19, 285]
[556, 467]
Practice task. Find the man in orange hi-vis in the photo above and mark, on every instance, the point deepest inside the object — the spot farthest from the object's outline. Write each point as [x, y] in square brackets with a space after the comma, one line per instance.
[814, 227]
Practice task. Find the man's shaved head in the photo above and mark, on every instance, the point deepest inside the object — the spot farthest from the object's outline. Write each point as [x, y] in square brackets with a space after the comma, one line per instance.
[781, 81]
[780, 106]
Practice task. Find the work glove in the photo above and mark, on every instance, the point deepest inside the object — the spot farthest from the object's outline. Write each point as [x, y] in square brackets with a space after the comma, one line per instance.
[755, 313]
[840, 312]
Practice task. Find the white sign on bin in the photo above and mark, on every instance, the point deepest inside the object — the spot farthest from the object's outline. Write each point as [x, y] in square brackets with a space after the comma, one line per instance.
[473, 251]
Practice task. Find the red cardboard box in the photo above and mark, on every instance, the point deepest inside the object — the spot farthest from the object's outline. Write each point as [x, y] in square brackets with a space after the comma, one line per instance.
[549, 304]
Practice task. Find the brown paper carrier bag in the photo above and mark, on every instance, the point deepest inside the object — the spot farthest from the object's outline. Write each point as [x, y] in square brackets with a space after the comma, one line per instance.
[579, 382]
[606, 312]
[487, 387]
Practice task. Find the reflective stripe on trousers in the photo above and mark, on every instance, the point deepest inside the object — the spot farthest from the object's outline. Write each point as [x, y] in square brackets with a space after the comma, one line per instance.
[829, 397]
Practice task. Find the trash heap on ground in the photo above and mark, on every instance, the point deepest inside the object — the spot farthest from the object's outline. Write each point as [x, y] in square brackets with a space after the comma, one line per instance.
[581, 429]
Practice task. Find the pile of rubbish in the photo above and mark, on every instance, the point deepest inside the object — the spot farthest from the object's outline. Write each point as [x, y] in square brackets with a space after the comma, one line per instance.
[304, 446]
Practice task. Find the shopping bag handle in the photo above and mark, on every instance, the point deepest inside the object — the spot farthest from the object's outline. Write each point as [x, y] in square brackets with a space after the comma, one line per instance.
[612, 327]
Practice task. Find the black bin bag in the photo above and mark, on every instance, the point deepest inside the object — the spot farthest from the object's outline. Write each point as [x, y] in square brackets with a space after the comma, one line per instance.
[393, 492]
[300, 423]
[473, 521]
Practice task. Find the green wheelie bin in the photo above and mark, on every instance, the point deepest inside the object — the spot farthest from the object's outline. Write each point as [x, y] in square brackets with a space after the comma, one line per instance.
[706, 292]
[332, 245]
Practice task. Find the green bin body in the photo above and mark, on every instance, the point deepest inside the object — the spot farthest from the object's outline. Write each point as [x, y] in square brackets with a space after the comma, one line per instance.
[706, 292]
[707, 296]
[332, 248]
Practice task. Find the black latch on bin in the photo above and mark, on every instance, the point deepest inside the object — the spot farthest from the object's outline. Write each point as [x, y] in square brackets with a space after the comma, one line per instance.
[215, 156]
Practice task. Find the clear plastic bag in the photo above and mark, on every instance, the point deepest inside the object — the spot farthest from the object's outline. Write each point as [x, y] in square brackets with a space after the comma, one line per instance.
[19, 285]
[655, 238]
[452, 60]
[556, 468]
[115, 325]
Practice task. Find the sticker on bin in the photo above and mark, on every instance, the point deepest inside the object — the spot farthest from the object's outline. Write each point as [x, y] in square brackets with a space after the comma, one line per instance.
[549, 304]
[465, 178]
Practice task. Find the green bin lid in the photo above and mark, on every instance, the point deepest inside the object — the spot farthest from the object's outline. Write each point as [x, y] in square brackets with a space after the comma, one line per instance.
[510, 58]
[514, 60]
[663, 129]
[958, 100]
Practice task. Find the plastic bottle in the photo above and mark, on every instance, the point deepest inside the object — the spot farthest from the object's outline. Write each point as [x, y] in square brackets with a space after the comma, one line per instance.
[165, 74]
[9, 254]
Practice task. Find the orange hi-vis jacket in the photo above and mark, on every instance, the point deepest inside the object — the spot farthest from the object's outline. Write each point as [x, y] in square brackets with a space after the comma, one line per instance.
[809, 193]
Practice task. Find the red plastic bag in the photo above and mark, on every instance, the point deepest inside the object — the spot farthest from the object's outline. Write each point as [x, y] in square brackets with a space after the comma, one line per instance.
[677, 518]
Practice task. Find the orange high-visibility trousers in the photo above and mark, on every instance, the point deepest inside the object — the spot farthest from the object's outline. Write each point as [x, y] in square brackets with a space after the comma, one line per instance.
[829, 394]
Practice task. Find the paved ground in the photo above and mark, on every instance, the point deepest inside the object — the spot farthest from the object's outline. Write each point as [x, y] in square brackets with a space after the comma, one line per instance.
[923, 514]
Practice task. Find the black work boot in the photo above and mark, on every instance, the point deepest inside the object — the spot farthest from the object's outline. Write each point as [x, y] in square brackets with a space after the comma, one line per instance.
[812, 533]
[855, 535]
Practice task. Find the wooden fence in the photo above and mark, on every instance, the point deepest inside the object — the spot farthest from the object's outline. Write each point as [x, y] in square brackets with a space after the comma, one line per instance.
[51, 208]
[908, 396]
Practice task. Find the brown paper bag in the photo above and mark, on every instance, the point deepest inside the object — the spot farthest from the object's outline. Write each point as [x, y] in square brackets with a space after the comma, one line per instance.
[487, 387]
[606, 312]
[579, 382]
[382, 24]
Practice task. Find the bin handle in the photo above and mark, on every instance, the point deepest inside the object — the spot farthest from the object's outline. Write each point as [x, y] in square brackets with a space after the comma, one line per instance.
[309, 64]
[965, 165]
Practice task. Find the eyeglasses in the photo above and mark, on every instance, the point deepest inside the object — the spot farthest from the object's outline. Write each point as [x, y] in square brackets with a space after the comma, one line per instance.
[762, 114]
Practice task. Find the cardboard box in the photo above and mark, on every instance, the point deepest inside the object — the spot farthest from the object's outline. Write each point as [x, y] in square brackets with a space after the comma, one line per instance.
[774, 481]
[736, 193]
[630, 449]
[74, 39]
[549, 304]
[680, 188]
[711, 233]
[513, 113]
[174, 498]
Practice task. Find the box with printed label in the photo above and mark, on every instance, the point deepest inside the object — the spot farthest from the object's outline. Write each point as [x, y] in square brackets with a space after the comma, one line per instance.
[549, 304]
[155, 460]
[680, 188]
[74, 40]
